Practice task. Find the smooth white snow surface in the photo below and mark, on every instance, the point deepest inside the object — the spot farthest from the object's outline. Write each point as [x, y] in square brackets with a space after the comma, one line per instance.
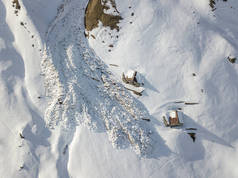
[59, 91]
[172, 114]
[130, 74]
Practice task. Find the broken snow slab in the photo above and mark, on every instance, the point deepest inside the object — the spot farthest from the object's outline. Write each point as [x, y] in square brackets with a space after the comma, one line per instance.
[135, 90]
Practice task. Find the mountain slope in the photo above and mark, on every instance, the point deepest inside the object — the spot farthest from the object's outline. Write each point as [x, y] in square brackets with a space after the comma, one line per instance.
[67, 113]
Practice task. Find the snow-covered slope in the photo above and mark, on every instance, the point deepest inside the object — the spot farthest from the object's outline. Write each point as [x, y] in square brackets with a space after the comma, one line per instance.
[63, 92]
[21, 84]
[181, 50]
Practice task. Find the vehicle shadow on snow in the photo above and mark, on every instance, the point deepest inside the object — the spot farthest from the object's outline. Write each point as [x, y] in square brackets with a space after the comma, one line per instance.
[193, 151]
[148, 85]
[63, 145]
[159, 147]
[185, 147]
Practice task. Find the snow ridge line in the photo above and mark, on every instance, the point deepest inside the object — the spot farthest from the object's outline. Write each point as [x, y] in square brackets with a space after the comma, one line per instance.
[83, 91]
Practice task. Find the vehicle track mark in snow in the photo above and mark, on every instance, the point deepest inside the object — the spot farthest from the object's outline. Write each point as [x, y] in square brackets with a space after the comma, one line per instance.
[83, 91]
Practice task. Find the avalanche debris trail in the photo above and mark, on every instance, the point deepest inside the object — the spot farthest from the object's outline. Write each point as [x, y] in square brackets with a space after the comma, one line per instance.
[82, 90]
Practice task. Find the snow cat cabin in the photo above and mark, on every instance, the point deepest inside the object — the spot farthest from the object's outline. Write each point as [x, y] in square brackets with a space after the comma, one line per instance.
[131, 83]
[173, 118]
[130, 78]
